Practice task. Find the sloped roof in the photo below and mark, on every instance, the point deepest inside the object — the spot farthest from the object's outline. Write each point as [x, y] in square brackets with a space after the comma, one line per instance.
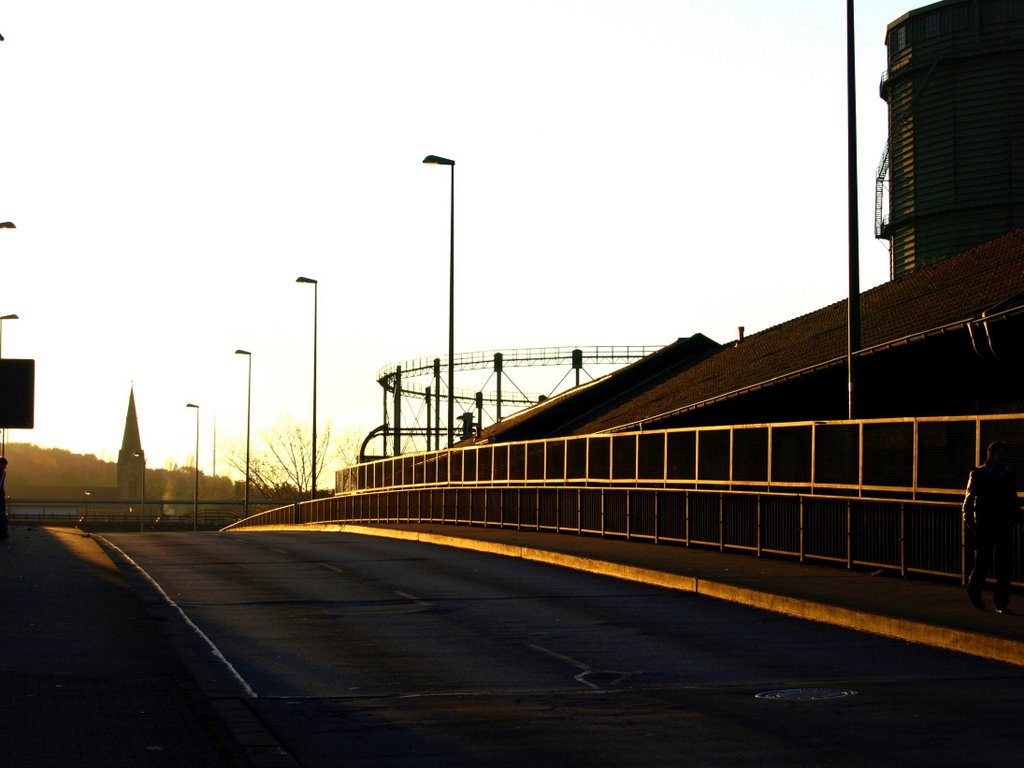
[951, 291]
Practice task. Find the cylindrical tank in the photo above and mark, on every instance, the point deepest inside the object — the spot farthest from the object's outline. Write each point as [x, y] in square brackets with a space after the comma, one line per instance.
[955, 90]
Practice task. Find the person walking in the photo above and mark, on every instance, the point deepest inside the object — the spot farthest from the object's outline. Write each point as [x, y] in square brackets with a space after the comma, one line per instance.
[3, 499]
[991, 509]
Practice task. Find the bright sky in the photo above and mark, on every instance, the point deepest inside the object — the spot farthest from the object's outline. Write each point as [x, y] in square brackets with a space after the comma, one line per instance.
[628, 172]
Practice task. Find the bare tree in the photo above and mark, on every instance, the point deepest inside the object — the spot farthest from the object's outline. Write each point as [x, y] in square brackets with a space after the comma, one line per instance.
[280, 468]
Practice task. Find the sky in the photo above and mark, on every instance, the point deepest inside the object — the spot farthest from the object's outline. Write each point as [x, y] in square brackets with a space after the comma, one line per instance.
[628, 172]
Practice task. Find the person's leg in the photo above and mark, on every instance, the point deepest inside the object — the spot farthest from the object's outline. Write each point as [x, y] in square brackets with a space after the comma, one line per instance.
[1003, 567]
[982, 561]
[3, 521]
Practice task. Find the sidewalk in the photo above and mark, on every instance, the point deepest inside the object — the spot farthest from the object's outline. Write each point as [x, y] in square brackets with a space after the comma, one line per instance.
[87, 679]
[917, 611]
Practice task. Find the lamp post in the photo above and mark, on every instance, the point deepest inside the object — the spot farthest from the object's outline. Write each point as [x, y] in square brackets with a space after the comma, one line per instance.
[312, 484]
[3, 432]
[853, 302]
[435, 160]
[4, 317]
[195, 494]
[142, 514]
[248, 413]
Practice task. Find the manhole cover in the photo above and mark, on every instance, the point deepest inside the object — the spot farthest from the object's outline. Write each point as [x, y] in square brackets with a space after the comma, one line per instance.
[806, 694]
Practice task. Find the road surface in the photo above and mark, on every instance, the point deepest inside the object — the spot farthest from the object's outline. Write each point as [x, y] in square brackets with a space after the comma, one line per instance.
[355, 650]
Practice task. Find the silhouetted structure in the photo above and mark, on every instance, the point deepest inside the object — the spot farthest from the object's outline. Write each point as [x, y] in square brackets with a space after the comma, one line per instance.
[955, 157]
[943, 341]
[131, 459]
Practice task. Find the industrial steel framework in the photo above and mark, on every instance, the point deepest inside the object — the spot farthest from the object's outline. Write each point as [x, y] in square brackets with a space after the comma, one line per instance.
[412, 391]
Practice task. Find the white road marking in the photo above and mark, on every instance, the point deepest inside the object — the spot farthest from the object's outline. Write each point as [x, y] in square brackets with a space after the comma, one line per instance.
[279, 551]
[587, 670]
[192, 625]
[330, 567]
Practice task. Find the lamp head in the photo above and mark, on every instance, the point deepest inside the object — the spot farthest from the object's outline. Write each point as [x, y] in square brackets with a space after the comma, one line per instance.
[9, 317]
[435, 160]
[243, 352]
[7, 225]
[191, 405]
[305, 280]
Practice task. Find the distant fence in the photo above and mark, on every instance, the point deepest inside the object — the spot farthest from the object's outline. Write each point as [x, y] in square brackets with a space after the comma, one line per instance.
[130, 514]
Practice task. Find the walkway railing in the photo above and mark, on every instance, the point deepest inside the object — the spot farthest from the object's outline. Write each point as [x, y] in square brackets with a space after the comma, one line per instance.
[906, 536]
[880, 493]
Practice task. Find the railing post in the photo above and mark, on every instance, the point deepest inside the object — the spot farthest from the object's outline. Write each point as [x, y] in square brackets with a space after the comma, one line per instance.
[801, 523]
[903, 540]
[721, 521]
[629, 512]
[760, 544]
[963, 553]
[686, 518]
[602, 514]
[657, 515]
[849, 535]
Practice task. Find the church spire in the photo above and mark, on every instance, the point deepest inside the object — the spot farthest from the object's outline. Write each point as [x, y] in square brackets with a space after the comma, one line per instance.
[131, 443]
[131, 460]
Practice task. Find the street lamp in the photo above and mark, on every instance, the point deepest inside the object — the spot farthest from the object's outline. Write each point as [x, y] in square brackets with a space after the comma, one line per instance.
[435, 160]
[312, 488]
[195, 495]
[4, 317]
[142, 514]
[3, 432]
[248, 413]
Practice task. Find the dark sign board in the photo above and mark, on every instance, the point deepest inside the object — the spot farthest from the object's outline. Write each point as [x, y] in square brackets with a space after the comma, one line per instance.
[17, 393]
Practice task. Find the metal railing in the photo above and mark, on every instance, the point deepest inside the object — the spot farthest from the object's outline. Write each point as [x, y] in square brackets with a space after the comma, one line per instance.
[881, 493]
[907, 458]
[911, 537]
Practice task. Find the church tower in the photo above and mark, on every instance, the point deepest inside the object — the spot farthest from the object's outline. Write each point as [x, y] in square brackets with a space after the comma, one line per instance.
[131, 459]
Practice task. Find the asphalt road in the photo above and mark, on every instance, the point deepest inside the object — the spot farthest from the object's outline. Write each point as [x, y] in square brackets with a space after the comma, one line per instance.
[362, 651]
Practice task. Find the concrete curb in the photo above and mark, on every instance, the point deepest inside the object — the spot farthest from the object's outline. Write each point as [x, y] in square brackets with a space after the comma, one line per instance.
[945, 638]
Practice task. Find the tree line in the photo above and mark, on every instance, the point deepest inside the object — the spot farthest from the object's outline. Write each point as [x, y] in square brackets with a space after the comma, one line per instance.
[279, 469]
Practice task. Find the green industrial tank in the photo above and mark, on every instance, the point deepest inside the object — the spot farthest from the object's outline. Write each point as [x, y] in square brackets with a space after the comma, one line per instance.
[954, 165]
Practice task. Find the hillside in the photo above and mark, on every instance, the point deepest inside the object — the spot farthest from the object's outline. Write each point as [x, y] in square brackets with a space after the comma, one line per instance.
[55, 473]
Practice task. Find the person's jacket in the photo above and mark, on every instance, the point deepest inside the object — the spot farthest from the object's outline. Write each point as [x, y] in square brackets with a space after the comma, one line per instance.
[991, 501]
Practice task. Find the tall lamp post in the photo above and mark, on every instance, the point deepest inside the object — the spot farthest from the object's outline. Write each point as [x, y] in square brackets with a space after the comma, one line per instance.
[248, 413]
[312, 484]
[853, 302]
[3, 432]
[142, 514]
[435, 160]
[195, 493]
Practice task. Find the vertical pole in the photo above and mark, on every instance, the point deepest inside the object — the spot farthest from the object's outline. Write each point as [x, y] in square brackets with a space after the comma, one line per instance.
[195, 495]
[312, 488]
[451, 318]
[498, 358]
[248, 422]
[398, 411]
[427, 393]
[853, 304]
[437, 402]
